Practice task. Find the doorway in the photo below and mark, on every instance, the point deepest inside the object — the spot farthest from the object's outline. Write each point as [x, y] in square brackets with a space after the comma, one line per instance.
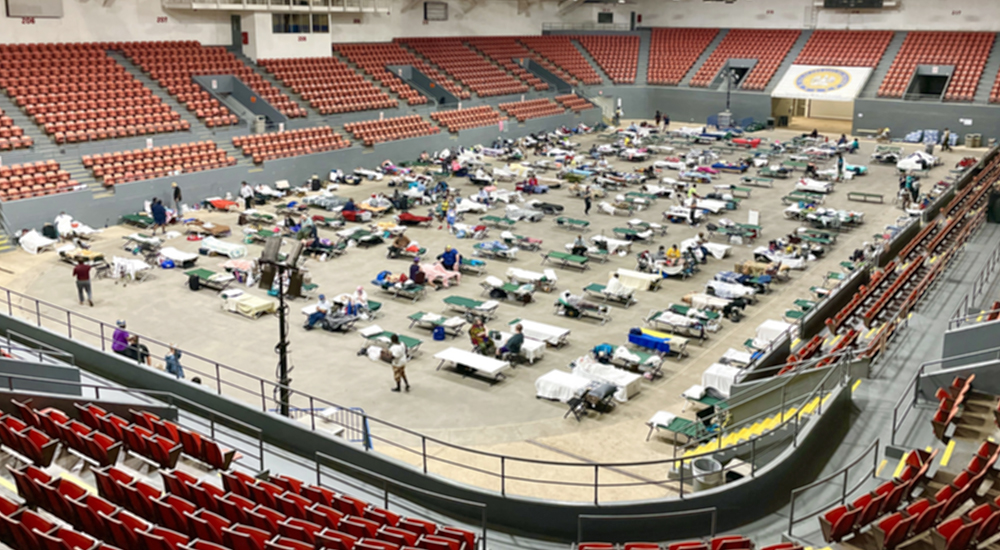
[237, 29]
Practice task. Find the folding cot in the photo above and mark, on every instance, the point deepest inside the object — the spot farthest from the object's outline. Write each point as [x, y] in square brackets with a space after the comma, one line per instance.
[552, 335]
[597, 398]
[199, 227]
[375, 336]
[73, 255]
[660, 342]
[497, 222]
[638, 280]
[571, 223]
[520, 241]
[472, 308]
[691, 326]
[575, 306]
[431, 321]
[215, 246]
[467, 363]
[682, 430]
[180, 258]
[600, 291]
[409, 290]
[612, 246]
[629, 234]
[701, 398]
[531, 350]
[558, 385]
[628, 383]
[496, 249]
[473, 266]
[142, 221]
[497, 289]
[198, 278]
[642, 225]
[544, 281]
[564, 259]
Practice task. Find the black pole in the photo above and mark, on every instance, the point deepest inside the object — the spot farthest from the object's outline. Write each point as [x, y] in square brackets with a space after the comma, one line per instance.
[282, 348]
[729, 85]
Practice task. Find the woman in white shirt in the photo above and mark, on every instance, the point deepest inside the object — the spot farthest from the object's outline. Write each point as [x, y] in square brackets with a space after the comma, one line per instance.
[398, 352]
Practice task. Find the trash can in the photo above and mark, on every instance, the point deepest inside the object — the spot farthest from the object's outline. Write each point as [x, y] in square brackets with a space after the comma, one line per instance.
[707, 473]
[770, 123]
[992, 142]
[782, 121]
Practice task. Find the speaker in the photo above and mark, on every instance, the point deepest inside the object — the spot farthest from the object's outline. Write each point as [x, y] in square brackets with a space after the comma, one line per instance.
[267, 274]
[272, 246]
[294, 253]
[295, 285]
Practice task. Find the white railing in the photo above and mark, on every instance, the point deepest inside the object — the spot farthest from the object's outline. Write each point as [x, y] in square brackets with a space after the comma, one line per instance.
[321, 6]
[617, 27]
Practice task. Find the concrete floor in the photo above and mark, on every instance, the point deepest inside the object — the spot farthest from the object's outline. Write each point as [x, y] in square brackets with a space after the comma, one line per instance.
[505, 418]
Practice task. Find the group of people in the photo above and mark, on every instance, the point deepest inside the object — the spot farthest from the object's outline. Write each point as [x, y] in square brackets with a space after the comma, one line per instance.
[128, 345]
[483, 343]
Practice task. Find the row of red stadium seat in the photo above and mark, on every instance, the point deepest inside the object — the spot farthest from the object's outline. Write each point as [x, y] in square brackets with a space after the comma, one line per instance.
[561, 52]
[157, 162]
[290, 143]
[21, 181]
[574, 102]
[328, 84]
[672, 53]
[81, 86]
[372, 58]
[473, 117]
[11, 135]
[769, 47]
[503, 51]
[617, 55]
[465, 66]
[966, 51]
[845, 48]
[533, 108]
[390, 129]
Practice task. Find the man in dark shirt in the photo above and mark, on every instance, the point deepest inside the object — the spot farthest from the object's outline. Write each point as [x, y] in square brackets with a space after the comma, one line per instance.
[449, 258]
[82, 274]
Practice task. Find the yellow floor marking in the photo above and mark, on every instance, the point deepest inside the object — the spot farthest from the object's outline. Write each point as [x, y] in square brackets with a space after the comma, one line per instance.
[899, 467]
[8, 485]
[946, 457]
[70, 477]
[795, 342]
[881, 465]
[855, 386]
[835, 340]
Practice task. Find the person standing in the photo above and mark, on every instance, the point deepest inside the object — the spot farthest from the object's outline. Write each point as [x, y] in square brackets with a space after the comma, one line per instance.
[840, 167]
[159, 215]
[177, 199]
[173, 360]
[586, 202]
[82, 274]
[658, 118]
[398, 352]
[946, 140]
[246, 192]
[666, 120]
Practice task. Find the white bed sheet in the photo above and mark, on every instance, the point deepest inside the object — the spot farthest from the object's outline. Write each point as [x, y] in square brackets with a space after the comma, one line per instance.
[628, 383]
[552, 335]
[560, 385]
[232, 250]
[34, 242]
[721, 377]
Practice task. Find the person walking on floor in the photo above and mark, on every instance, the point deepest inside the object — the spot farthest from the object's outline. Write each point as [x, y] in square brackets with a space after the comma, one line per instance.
[840, 167]
[658, 118]
[246, 192]
[177, 199]
[946, 140]
[586, 202]
[82, 274]
[398, 352]
[159, 215]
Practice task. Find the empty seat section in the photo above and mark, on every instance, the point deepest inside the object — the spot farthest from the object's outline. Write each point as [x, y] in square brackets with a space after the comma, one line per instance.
[534, 108]
[77, 92]
[966, 51]
[157, 162]
[673, 51]
[768, 47]
[291, 143]
[473, 117]
[22, 181]
[173, 64]
[845, 48]
[390, 129]
[11, 135]
[574, 102]
[466, 66]
[561, 52]
[328, 84]
[372, 59]
[618, 55]
[503, 50]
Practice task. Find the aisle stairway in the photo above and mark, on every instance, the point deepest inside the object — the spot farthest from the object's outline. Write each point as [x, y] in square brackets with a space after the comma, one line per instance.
[989, 75]
[686, 81]
[642, 67]
[597, 67]
[44, 147]
[878, 75]
[786, 63]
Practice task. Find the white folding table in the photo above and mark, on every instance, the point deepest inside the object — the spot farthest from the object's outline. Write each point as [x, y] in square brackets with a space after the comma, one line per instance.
[467, 361]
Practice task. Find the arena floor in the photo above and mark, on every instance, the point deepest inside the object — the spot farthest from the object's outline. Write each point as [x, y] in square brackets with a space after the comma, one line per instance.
[505, 418]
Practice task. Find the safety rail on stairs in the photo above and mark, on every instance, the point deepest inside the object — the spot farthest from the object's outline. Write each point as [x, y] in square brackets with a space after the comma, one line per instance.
[979, 288]
[509, 475]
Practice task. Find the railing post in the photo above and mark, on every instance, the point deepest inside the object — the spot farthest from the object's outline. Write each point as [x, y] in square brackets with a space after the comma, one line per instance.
[103, 348]
[791, 514]
[892, 434]
[38, 312]
[783, 403]
[597, 469]
[263, 399]
[753, 457]
[682, 479]
[312, 413]
[423, 451]
[10, 306]
[69, 324]
[843, 490]
[503, 475]
[218, 379]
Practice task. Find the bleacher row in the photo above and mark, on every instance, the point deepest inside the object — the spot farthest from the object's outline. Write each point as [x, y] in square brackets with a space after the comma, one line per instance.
[466, 66]
[949, 506]
[156, 162]
[503, 51]
[727, 542]
[967, 51]
[328, 84]
[378, 131]
[21, 181]
[11, 135]
[463, 119]
[574, 102]
[617, 55]
[560, 51]
[292, 143]
[672, 53]
[532, 108]
[129, 510]
[373, 58]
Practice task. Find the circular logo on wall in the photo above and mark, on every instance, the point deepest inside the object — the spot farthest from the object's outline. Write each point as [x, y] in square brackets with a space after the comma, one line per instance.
[822, 80]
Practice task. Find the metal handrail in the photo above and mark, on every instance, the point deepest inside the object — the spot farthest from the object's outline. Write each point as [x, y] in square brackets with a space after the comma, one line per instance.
[978, 289]
[844, 490]
[503, 461]
[712, 511]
